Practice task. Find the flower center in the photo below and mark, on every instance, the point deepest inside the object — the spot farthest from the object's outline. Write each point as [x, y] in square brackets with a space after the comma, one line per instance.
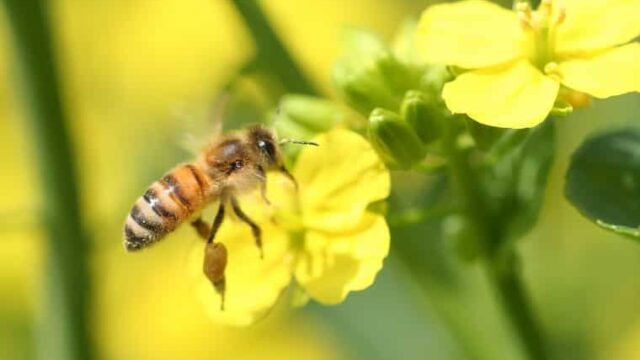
[541, 25]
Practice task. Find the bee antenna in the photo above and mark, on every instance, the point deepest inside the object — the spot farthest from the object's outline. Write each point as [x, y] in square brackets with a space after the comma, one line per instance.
[299, 142]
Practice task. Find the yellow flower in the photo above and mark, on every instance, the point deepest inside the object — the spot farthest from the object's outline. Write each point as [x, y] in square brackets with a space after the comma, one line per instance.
[518, 59]
[323, 234]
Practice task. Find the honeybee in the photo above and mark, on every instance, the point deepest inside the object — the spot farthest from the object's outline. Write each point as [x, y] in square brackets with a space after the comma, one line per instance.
[228, 166]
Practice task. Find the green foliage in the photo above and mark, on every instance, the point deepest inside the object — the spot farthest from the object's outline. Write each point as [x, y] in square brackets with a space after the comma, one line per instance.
[463, 234]
[519, 179]
[484, 136]
[530, 179]
[603, 181]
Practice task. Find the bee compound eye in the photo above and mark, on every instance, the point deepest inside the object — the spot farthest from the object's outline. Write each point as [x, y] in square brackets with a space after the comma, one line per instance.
[267, 147]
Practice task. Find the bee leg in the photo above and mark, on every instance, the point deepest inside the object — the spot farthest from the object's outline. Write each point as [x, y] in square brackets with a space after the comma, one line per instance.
[217, 221]
[255, 229]
[288, 175]
[263, 193]
[201, 227]
[263, 185]
[215, 254]
[215, 262]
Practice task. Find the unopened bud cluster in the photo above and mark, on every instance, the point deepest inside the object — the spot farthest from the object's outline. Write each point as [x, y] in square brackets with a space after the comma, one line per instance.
[399, 99]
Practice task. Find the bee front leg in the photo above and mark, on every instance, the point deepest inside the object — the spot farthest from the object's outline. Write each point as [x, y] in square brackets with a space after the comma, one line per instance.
[290, 176]
[255, 229]
[263, 184]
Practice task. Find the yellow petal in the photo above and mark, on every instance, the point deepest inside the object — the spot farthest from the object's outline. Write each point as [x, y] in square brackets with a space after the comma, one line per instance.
[252, 284]
[338, 180]
[597, 24]
[333, 265]
[611, 73]
[470, 34]
[513, 96]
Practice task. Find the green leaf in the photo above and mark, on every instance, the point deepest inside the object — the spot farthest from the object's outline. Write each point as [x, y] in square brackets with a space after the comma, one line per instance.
[603, 181]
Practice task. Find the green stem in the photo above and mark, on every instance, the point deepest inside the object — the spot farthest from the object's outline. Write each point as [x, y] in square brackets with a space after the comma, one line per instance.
[272, 54]
[503, 273]
[512, 295]
[62, 331]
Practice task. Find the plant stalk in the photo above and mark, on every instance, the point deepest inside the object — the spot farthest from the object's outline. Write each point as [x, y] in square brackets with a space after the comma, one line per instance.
[272, 55]
[500, 265]
[509, 289]
[62, 329]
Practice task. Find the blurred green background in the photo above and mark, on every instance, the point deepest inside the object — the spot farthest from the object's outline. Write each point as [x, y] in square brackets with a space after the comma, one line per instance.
[138, 75]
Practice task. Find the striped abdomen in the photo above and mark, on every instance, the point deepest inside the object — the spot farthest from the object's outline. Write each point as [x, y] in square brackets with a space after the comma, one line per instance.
[167, 203]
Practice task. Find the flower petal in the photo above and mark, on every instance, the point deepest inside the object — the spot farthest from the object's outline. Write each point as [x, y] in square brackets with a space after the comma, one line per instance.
[470, 34]
[611, 73]
[513, 96]
[333, 265]
[252, 284]
[597, 24]
[338, 180]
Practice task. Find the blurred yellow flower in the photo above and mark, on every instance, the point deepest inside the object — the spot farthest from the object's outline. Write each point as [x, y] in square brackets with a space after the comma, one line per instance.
[323, 234]
[143, 311]
[518, 60]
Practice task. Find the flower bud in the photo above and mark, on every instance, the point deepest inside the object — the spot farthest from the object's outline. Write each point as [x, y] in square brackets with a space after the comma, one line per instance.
[370, 76]
[394, 140]
[364, 88]
[423, 115]
[312, 113]
[302, 117]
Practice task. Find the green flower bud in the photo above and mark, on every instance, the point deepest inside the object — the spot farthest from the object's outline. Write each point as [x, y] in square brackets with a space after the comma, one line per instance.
[424, 116]
[286, 128]
[364, 88]
[302, 117]
[394, 140]
[370, 76]
[312, 113]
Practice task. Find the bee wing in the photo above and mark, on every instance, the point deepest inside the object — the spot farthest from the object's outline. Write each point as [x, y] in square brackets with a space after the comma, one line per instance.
[201, 125]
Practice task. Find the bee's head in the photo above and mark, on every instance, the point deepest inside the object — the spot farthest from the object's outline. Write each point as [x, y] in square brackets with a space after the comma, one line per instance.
[268, 148]
[265, 144]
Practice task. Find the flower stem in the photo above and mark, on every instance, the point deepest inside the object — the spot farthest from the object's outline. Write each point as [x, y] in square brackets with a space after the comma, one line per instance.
[500, 265]
[512, 295]
[62, 329]
[272, 54]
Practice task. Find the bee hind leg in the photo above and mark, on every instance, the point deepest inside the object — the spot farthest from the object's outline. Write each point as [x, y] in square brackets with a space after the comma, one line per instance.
[201, 227]
[215, 253]
[215, 262]
[255, 229]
